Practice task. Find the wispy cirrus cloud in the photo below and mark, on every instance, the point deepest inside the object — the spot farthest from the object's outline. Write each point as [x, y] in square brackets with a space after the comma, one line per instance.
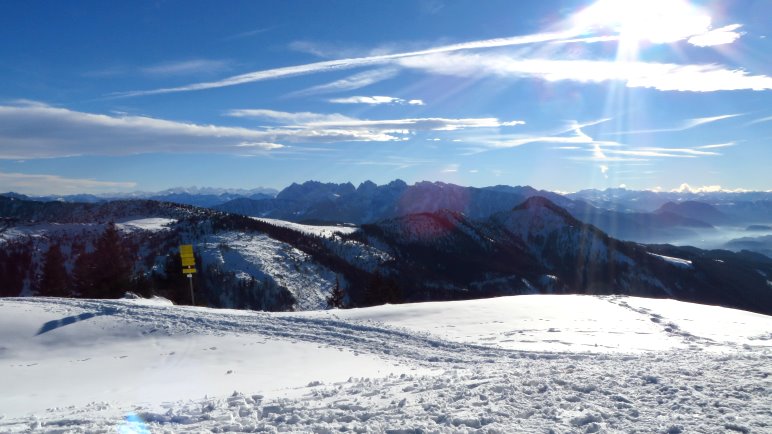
[53, 184]
[286, 117]
[659, 76]
[342, 64]
[655, 21]
[352, 82]
[35, 130]
[682, 126]
[717, 145]
[581, 146]
[189, 67]
[247, 34]
[375, 100]
[337, 122]
[186, 67]
[760, 120]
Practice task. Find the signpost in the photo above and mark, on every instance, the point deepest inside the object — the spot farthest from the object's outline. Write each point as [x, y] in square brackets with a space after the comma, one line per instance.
[188, 266]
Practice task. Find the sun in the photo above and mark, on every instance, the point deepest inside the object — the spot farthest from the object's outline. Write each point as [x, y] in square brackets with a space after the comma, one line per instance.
[635, 21]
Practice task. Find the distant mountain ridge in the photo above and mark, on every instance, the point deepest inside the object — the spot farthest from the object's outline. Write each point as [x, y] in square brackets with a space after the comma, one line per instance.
[643, 216]
[368, 203]
[197, 196]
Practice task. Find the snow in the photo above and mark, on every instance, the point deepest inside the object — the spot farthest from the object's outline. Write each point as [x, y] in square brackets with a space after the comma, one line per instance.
[146, 224]
[262, 256]
[510, 364]
[678, 262]
[320, 231]
[44, 230]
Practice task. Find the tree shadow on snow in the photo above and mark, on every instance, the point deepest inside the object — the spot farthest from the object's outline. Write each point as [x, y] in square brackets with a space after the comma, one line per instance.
[57, 323]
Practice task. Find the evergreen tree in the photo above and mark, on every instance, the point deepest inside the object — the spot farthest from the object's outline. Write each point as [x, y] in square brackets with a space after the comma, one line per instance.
[83, 273]
[335, 300]
[381, 290]
[106, 272]
[54, 280]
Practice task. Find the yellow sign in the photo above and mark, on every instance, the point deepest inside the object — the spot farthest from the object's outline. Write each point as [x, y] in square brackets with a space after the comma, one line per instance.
[188, 260]
[186, 250]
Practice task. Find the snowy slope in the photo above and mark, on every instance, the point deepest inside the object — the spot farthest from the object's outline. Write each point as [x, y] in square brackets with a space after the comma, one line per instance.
[250, 254]
[512, 364]
[320, 231]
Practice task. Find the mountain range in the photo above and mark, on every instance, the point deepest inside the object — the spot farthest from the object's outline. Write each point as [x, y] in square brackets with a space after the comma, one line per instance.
[534, 246]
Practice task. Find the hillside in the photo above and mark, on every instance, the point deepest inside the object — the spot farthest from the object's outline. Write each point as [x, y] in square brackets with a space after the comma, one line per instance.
[535, 247]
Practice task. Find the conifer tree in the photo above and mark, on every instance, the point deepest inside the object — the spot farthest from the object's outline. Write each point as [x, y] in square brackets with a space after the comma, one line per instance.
[106, 272]
[54, 280]
[335, 300]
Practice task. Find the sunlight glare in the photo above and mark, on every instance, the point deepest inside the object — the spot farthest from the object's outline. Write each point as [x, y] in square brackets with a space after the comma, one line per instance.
[656, 21]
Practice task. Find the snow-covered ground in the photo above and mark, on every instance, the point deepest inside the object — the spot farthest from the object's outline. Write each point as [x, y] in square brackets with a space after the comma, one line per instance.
[146, 224]
[320, 231]
[542, 363]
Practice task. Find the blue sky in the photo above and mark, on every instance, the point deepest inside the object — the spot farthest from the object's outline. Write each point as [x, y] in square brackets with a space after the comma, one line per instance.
[563, 95]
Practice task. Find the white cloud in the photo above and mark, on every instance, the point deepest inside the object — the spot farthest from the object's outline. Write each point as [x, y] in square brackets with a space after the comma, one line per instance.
[450, 168]
[247, 34]
[604, 170]
[375, 100]
[686, 188]
[759, 121]
[341, 64]
[660, 152]
[660, 76]
[334, 121]
[40, 131]
[287, 117]
[691, 123]
[352, 82]
[683, 126]
[717, 145]
[52, 184]
[187, 67]
[260, 145]
[720, 36]
[576, 140]
[658, 21]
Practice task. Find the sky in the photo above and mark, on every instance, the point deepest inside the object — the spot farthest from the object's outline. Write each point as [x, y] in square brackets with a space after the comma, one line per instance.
[99, 97]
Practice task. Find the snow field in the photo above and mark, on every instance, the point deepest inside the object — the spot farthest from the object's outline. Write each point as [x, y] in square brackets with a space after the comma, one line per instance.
[319, 231]
[398, 369]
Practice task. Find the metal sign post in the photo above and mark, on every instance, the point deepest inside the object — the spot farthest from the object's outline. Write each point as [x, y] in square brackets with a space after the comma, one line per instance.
[188, 267]
[192, 297]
